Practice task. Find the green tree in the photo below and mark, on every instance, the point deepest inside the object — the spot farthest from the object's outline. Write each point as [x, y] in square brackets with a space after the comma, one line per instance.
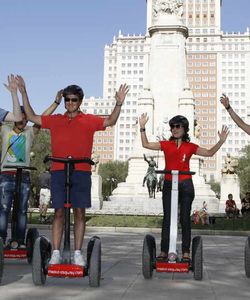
[243, 170]
[112, 173]
[215, 186]
[40, 148]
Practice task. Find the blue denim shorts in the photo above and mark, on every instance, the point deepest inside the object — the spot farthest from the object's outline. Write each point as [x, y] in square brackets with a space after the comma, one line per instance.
[80, 192]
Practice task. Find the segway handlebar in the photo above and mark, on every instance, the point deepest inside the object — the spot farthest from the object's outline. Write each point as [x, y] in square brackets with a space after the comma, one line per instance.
[19, 167]
[69, 159]
[174, 172]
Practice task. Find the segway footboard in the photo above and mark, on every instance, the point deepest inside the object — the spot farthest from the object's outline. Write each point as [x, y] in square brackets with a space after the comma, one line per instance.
[170, 267]
[66, 270]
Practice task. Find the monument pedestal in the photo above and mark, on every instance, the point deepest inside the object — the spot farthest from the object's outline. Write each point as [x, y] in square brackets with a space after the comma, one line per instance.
[229, 185]
[96, 193]
[131, 198]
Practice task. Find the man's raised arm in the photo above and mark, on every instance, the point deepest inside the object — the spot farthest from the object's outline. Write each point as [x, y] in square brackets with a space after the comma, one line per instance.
[31, 116]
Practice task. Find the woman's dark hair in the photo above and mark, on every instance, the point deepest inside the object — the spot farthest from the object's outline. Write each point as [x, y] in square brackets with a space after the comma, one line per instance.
[73, 90]
[183, 121]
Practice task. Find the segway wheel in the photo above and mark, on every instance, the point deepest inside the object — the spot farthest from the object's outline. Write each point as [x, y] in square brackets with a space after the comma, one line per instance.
[148, 256]
[95, 264]
[38, 263]
[247, 257]
[1, 259]
[197, 258]
[31, 237]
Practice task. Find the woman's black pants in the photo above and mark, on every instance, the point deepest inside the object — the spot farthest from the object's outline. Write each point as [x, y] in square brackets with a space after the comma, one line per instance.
[185, 199]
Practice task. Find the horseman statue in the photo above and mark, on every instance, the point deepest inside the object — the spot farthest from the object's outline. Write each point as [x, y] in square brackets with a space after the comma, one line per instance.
[150, 177]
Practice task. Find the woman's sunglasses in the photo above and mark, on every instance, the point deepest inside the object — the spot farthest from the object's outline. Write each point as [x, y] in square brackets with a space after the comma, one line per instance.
[177, 126]
[71, 99]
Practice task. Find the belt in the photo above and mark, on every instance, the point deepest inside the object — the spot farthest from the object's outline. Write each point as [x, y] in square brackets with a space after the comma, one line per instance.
[13, 172]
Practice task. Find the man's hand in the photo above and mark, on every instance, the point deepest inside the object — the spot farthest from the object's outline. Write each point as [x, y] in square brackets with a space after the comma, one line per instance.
[225, 101]
[224, 133]
[12, 84]
[59, 96]
[21, 84]
[121, 94]
[143, 119]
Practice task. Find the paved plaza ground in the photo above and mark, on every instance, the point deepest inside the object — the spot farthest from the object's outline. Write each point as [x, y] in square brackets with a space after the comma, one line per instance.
[224, 275]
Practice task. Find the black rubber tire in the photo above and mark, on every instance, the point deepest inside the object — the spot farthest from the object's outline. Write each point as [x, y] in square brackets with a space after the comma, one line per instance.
[247, 257]
[197, 258]
[148, 256]
[1, 259]
[90, 249]
[31, 237]
[94, 269]
[39, 261]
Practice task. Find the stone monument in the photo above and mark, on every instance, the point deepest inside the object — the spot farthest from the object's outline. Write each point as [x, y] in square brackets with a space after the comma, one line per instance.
[96, 186]
[166, 93]
[229, 182]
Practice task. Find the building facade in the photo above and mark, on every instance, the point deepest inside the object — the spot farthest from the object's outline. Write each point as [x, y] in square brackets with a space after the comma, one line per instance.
[103, 145]
[216, 62]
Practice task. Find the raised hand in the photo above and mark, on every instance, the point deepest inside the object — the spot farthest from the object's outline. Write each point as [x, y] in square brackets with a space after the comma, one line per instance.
[121, 94]
[224, 133]
[20, 84]
[143, 119]
[12, 84]
[59, 96]
[224, 101]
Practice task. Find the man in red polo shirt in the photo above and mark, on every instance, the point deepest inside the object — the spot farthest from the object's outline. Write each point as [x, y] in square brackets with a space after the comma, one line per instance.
[72, 135]
[178, 151]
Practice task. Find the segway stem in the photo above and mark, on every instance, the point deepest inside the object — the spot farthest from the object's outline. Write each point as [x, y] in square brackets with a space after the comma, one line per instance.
[66, 249]
[16, 204]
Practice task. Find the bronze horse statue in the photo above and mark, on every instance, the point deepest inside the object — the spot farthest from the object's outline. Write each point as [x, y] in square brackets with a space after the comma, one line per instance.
[160, 183]
[151, 184]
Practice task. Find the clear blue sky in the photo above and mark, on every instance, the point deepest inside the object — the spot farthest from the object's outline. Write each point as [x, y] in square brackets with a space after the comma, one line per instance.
[54, 43]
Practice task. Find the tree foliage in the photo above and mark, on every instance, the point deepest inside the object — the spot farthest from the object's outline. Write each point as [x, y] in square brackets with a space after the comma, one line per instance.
[243, 170]
[40, 148]
[117, 170]
[215, 186]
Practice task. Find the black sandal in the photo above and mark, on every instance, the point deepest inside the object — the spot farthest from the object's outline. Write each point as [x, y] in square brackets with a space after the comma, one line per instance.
[161, 257]
[186, 259]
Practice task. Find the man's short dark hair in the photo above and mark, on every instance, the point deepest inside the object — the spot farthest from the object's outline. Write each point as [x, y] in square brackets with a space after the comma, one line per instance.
[230, 195]
[73, 90]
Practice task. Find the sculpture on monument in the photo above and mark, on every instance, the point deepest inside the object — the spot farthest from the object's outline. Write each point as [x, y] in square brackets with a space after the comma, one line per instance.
[168, 7]
[162, 131]
[231, 163]
[95, 157]
[197, 129]
[150, 177]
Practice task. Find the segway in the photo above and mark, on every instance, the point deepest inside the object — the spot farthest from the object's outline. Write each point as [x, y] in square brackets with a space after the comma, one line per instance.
[12, 250]
[42, 249]
[172, 263]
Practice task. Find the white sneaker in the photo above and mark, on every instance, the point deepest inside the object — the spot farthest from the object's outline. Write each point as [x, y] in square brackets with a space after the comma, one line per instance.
[78, 259]
[55, 258]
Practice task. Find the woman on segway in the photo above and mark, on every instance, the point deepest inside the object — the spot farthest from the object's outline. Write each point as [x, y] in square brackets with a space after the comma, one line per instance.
[178, 151]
